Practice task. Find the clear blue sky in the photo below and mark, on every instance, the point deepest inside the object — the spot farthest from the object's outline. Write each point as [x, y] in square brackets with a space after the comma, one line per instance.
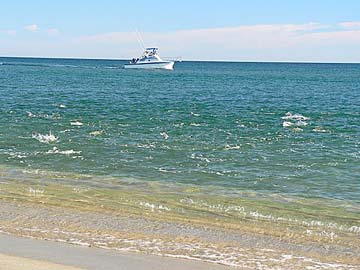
[73, 19]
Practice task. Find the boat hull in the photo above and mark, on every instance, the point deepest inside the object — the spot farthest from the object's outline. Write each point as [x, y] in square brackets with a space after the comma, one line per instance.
[162, 65]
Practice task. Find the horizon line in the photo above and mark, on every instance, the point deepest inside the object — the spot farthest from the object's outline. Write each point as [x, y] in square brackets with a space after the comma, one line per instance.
[184, 60]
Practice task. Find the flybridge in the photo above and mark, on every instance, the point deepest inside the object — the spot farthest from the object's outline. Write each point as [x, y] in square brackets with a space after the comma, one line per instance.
[150, 59]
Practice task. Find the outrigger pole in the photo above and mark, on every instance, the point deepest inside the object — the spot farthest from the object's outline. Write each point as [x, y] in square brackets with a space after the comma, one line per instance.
[139, 39]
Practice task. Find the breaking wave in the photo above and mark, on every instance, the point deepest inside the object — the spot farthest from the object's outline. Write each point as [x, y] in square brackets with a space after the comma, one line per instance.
[45, 138]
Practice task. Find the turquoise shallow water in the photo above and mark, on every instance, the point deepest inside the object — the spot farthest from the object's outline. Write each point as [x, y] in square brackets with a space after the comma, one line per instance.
[287, 129]
[253, 165]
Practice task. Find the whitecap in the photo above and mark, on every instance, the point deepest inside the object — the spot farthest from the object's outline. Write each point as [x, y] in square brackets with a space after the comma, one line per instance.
[16, 154]
[52, 116]
[62, 106]
[96, 132]
[194, 114]
[319, 129]
[179, 125]
[232, 147]
[287, 124]
[165, 135]
[76, 123]
[55, 150]
[30, 114]
[296, 116]
[200, 157]
[301, 123]
[45, 138]
[146, 146]
[20, 156]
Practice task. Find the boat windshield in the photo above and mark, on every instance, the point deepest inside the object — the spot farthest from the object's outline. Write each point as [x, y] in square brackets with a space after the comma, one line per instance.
[150, 54]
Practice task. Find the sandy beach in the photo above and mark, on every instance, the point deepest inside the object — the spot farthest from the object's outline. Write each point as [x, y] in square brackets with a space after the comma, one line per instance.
[28, 254]
[18, 263]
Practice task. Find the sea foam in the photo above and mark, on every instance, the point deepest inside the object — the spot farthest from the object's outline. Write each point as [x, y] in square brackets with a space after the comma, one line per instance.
[296, 116]
[55, 150]
[76, 123]
[296, 119]
[45, 138]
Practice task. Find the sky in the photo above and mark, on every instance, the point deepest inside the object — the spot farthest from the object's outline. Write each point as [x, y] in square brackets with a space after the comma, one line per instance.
[229, 30]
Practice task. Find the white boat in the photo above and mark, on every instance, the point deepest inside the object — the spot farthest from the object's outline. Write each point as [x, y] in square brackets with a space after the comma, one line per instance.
[150, 59]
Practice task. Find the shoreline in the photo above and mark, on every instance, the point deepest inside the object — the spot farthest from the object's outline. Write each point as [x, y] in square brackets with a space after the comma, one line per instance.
[25, 252]
[133, 236]
[181, 222]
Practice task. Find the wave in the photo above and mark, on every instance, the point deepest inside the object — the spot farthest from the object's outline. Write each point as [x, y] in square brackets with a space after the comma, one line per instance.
[297, 123]
[296, 116]
[96, 133]
[55, 150]
[297, 120]
[320, 129]
[53, 116]
[76, 123]
[45, 138]
[232, 147]
[165, 135]
[287, 124]
[14, 154]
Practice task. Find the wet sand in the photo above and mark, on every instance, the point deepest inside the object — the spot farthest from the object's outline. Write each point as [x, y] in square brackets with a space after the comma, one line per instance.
[29, 254]
[19, 263]
[120, 239]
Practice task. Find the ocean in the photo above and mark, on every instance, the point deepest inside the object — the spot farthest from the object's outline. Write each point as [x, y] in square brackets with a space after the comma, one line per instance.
[267, 149]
